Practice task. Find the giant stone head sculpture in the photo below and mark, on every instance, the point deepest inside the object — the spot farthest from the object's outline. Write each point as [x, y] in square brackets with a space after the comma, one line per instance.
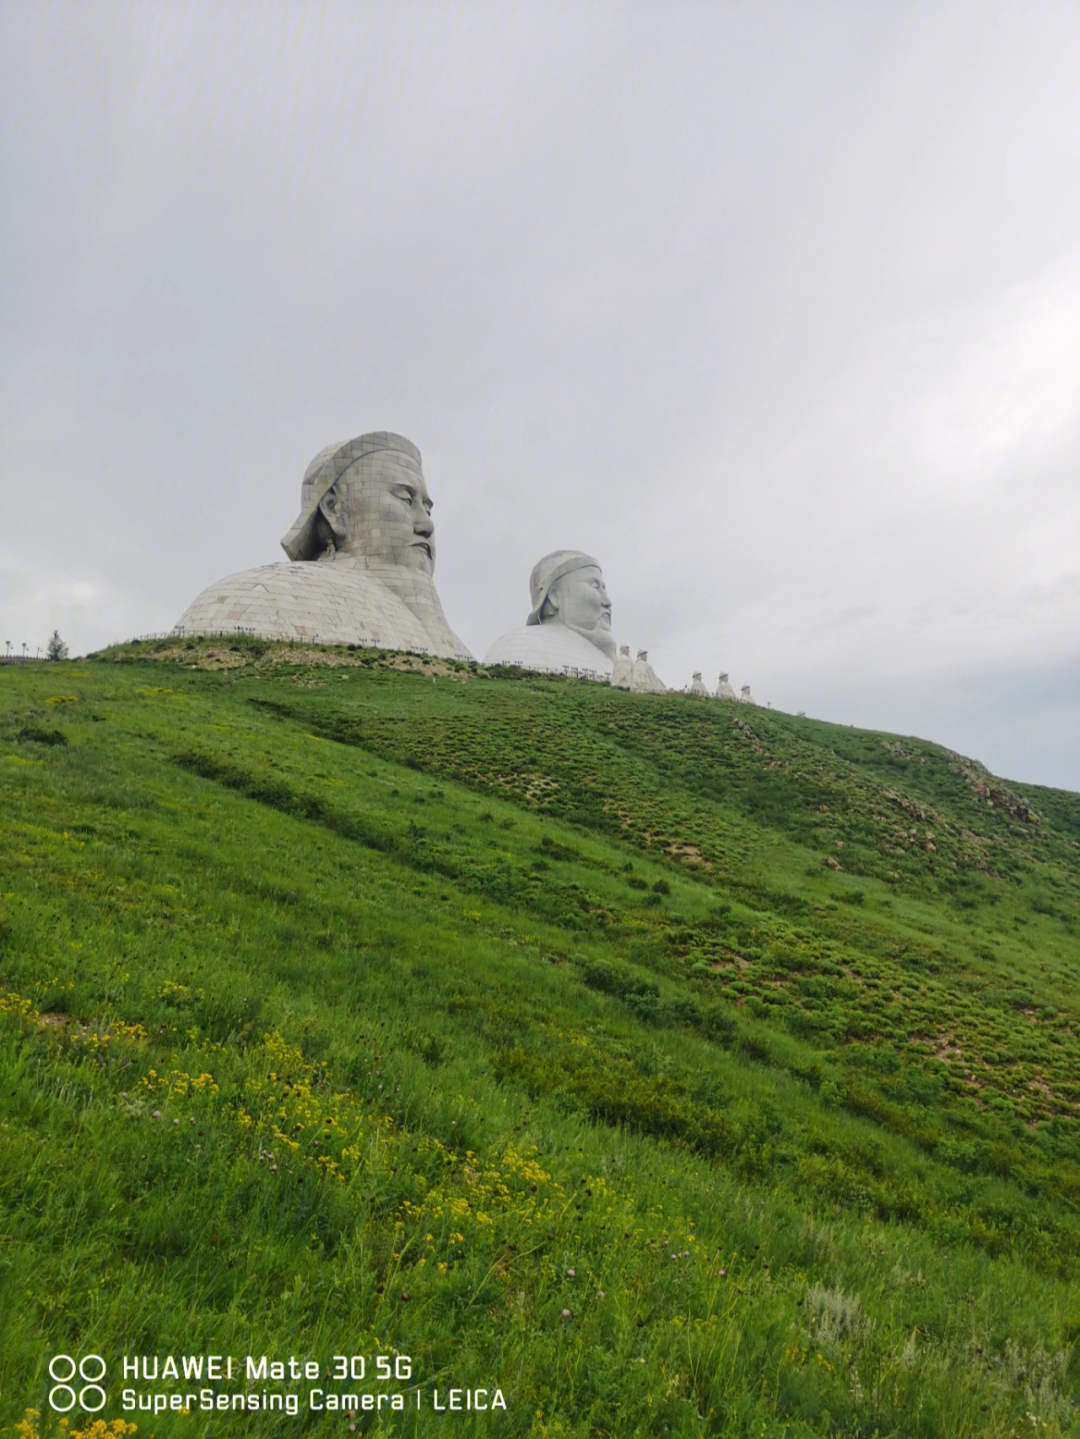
[567, 588]
[366, 498]
[364, 504]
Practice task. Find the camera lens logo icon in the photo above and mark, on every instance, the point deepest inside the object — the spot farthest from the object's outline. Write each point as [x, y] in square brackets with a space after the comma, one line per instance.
[87, 1393]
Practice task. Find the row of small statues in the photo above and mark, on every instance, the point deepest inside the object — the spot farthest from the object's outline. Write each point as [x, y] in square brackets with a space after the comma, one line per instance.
[723, 690]
[639, 677]
[361, 561]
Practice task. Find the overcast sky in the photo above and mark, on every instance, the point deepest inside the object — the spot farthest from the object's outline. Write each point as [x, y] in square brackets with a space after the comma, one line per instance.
[774, 308]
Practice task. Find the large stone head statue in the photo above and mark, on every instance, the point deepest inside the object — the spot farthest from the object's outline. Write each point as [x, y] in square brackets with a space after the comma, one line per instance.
[567, 588]
[367, 499]
[363, 503]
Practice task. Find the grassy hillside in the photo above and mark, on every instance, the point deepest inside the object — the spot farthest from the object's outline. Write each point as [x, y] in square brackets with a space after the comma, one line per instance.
[673, 1067]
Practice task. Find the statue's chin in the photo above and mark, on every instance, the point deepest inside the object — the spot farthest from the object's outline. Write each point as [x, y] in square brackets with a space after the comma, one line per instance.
[601, 637]
[418, 558]
[413, 557]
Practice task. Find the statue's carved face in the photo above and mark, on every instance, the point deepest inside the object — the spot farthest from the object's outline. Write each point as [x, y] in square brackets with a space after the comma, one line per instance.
[380, 510]
[580, 602]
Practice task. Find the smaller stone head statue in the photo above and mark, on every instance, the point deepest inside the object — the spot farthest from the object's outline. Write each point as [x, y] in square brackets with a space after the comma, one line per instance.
[367, 499]
[567, 588]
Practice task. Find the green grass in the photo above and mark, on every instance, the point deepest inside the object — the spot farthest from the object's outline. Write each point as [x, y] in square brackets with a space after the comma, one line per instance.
[479, 997]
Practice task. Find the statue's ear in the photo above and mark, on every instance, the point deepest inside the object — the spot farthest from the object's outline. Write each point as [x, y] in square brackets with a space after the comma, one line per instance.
[330, 510]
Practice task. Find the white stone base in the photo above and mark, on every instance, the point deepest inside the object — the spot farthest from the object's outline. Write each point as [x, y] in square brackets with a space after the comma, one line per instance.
[550, 649]
[335, 604]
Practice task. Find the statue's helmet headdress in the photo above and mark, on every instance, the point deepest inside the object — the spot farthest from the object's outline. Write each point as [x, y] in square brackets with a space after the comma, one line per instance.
[322, 475]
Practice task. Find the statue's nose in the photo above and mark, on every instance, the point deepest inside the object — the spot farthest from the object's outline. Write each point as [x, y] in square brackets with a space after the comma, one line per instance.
[423, 524]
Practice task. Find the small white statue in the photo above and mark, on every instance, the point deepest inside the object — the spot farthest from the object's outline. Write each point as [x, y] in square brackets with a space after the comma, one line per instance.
[644, 680]
[746, 697]
[724, 690]
[697, 685]
[624, 669]
[568, 629]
